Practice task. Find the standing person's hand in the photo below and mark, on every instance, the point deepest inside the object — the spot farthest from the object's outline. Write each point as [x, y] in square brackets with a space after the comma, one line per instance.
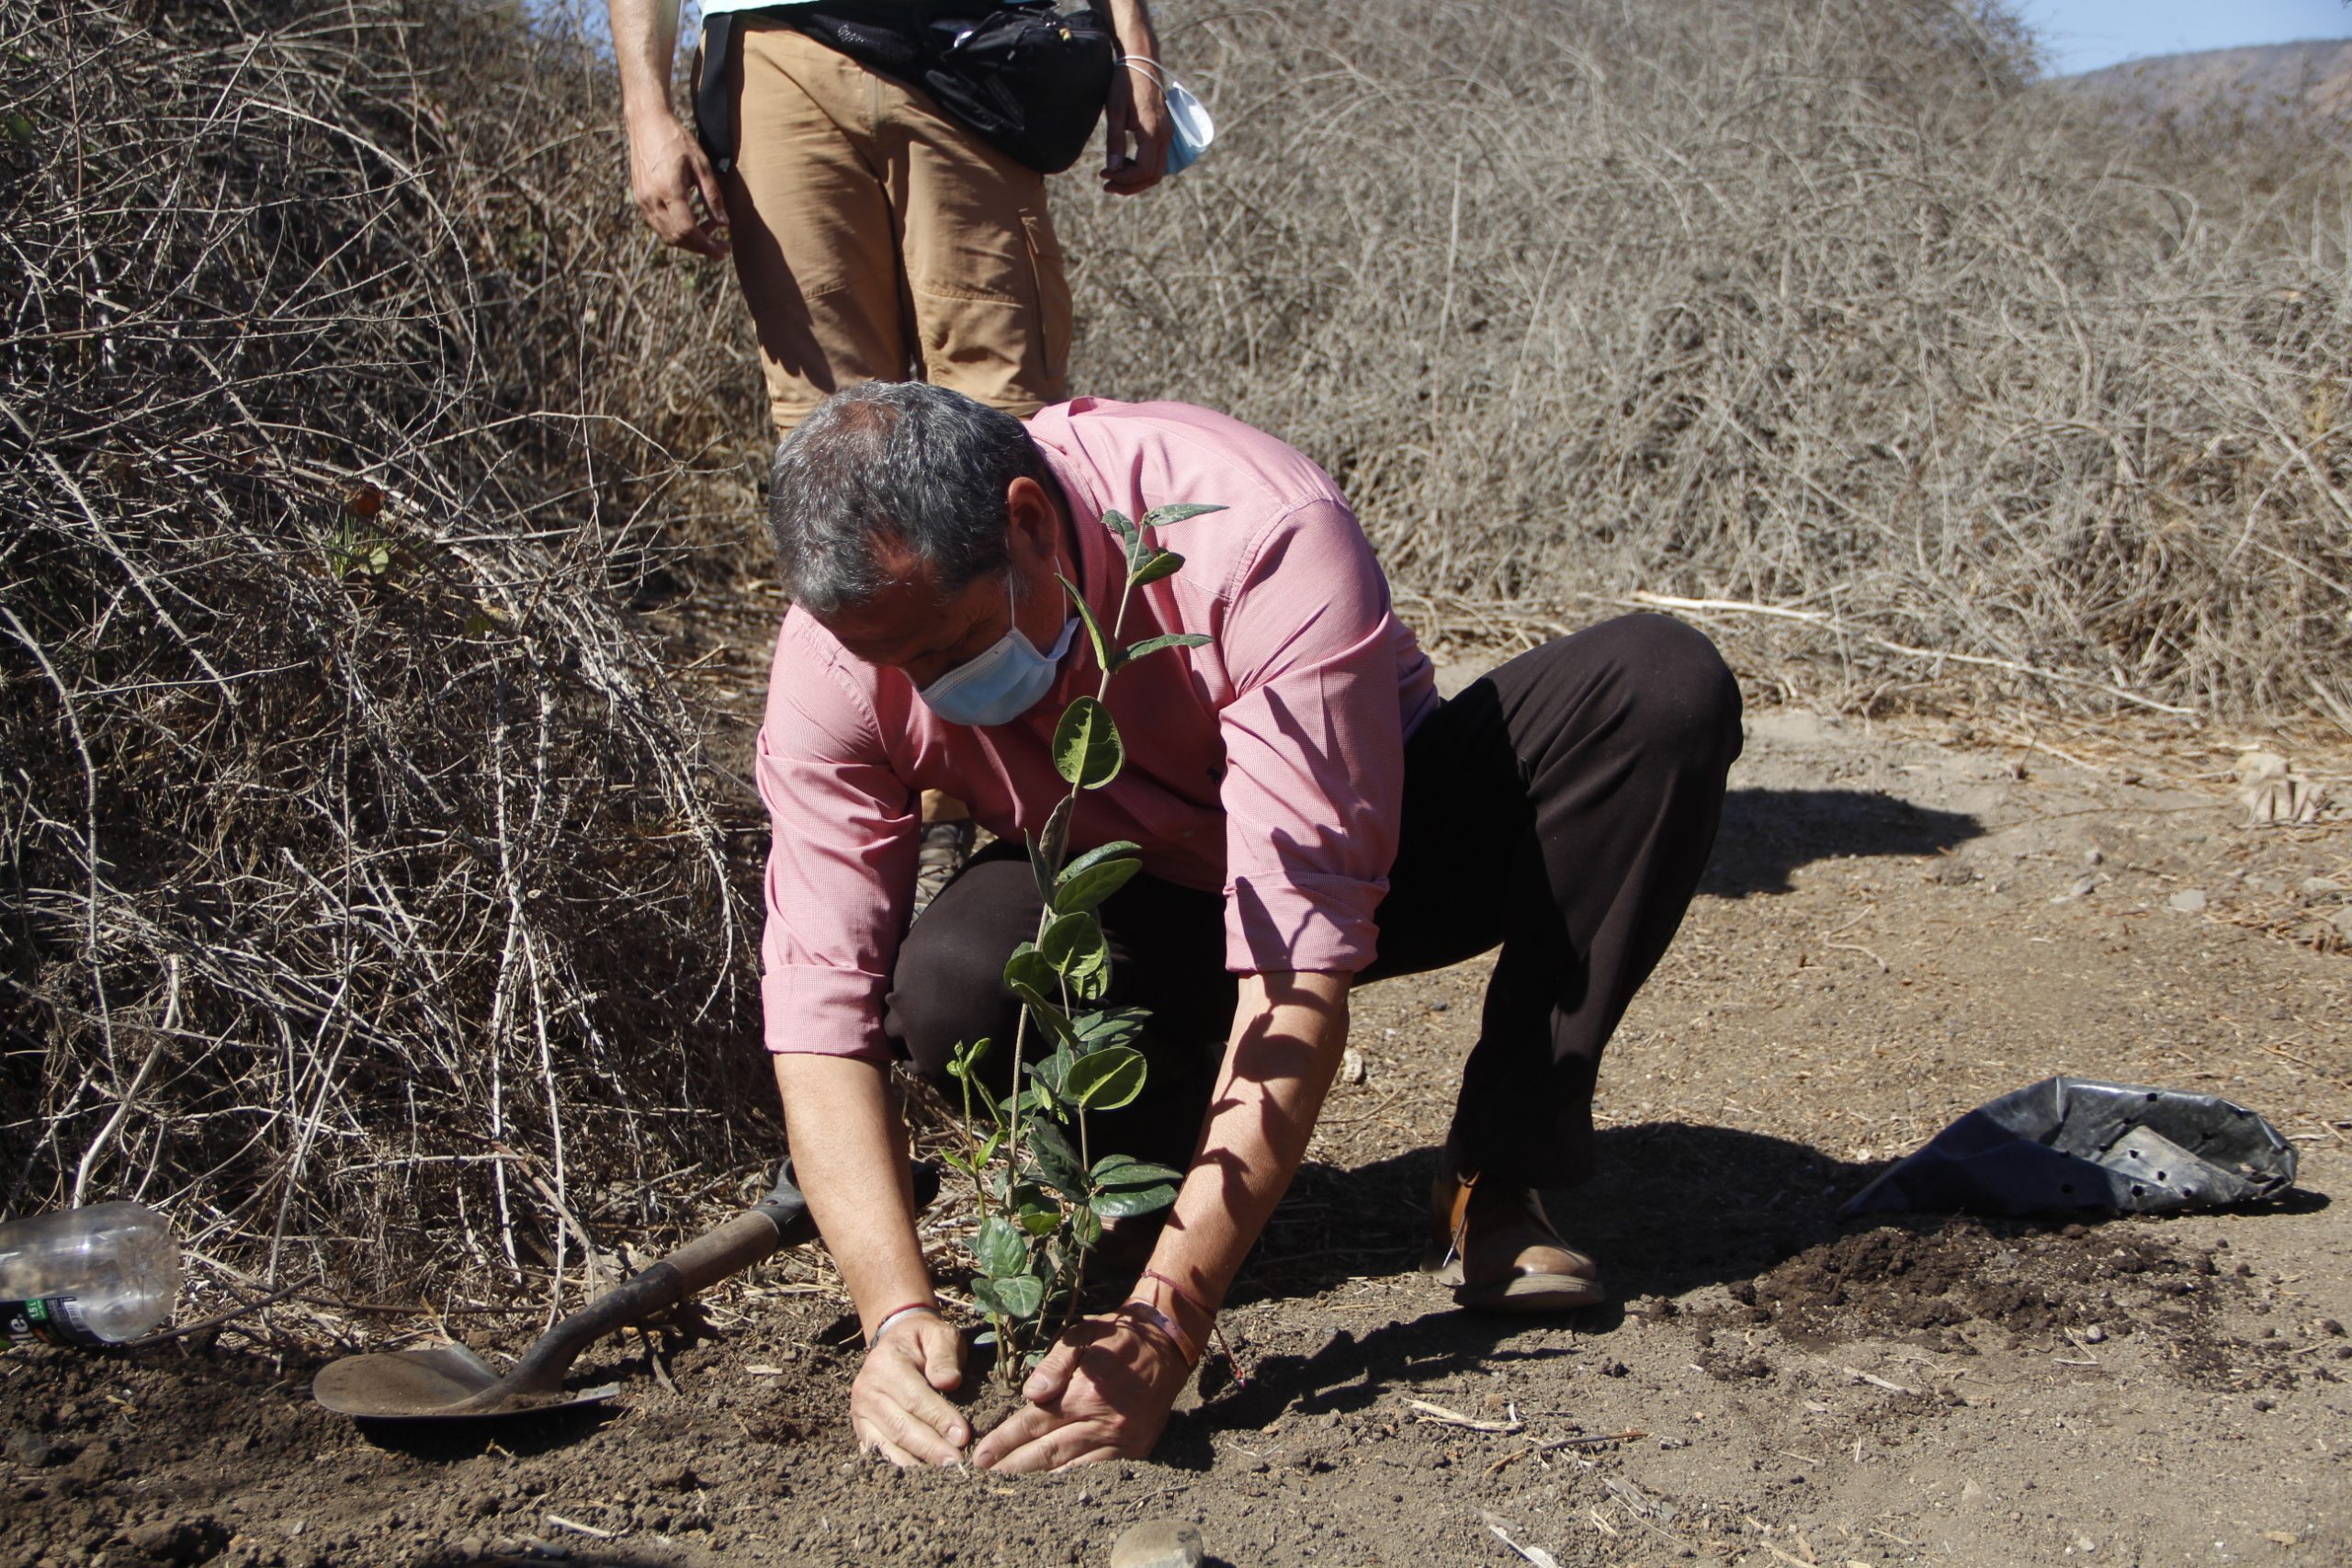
[896, 1408]
[1104, 1392]
[667, 170]
[1136, 129]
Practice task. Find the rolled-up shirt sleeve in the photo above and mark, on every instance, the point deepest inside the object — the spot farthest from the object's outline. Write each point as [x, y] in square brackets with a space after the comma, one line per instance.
[841, 860]
[1313, 747]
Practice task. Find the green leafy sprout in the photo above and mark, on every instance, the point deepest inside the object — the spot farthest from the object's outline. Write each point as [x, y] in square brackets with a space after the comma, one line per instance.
[1043, 1197]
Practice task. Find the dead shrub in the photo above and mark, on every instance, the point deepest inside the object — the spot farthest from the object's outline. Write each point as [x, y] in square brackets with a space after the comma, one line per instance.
[366, 899]
[1817, 308]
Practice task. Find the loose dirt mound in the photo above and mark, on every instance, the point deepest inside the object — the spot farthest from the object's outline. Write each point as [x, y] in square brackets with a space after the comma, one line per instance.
[1892, 1280]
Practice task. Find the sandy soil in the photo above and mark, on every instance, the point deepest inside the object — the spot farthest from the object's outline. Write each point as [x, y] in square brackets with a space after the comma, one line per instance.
[1900, 924]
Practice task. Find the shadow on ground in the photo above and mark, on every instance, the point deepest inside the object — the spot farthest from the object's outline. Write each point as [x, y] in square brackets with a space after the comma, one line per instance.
[1678, 1208]
[1769, 833]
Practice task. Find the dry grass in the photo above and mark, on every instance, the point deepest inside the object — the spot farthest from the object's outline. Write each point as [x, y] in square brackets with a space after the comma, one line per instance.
[365, 902]
[1812, 307]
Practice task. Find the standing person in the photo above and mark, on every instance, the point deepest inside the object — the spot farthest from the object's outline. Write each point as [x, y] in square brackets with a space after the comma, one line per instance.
[1309, 812]
[874, 237]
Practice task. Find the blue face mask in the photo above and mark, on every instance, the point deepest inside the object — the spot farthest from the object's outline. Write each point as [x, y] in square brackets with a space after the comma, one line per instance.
[1190, 128]
[999, 683]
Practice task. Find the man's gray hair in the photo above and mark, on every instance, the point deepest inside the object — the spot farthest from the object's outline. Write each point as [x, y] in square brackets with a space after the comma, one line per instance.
[904, 462]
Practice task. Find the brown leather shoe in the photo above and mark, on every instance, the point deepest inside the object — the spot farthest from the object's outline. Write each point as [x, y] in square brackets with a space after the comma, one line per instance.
[1495, 1246]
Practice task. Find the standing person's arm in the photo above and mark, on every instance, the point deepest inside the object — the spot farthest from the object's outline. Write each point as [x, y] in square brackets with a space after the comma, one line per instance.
[1136, 125]
[666, 166]
[849, 1155]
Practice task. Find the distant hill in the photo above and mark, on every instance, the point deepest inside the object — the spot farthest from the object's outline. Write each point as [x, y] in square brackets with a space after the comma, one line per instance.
[2314, 76]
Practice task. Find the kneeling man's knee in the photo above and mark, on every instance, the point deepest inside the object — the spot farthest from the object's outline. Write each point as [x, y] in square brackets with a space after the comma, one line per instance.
[948, 989]
[1684, 697]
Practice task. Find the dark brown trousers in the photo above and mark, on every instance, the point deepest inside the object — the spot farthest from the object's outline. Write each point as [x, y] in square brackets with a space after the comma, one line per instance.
[1561, 808]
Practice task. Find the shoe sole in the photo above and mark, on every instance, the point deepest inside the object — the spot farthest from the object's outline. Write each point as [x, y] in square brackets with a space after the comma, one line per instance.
[1531, 1293]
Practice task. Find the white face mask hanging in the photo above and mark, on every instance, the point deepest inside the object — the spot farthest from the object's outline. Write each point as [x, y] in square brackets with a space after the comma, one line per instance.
[1191, 128]
[1194, 127]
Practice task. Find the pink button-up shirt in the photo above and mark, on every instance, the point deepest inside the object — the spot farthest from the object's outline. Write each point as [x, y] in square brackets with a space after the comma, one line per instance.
[1269, 763]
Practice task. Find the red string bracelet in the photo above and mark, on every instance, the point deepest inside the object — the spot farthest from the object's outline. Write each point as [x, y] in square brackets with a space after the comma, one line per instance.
[1189, 1300]
[1143, 1315]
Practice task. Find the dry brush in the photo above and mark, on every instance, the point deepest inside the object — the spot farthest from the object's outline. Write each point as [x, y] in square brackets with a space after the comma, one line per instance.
[365, 901]
[1823, 308]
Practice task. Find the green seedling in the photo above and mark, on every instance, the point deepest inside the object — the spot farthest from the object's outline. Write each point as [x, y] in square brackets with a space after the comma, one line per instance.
[1043, 1196]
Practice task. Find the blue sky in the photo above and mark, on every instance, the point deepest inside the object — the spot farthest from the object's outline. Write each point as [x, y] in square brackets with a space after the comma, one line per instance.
[2078, 35]
[2082, 35]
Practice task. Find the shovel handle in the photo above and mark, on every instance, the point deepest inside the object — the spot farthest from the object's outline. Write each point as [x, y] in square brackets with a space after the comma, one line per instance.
[737, 1244]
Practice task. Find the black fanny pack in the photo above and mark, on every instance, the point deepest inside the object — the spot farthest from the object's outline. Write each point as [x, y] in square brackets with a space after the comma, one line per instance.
[1030, 77]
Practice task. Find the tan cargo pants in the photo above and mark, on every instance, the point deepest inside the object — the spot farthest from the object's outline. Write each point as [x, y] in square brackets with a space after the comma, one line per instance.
[878, 240]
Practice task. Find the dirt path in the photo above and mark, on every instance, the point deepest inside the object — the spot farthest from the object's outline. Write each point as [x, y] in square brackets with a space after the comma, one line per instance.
[1899, 926]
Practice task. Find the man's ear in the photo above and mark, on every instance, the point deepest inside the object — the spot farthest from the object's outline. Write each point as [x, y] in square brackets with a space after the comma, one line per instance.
[1032, 523]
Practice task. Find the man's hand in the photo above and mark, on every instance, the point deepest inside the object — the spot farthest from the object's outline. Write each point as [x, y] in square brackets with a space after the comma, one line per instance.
[1104, 1392]
[666, 172]
[1135, 132]
[895, 1406]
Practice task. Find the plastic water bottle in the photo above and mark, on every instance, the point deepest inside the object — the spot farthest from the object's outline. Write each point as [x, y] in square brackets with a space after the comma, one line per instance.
[84, 1276]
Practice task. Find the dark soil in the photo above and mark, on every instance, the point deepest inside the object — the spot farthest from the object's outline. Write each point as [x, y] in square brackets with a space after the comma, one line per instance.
[1897, 929]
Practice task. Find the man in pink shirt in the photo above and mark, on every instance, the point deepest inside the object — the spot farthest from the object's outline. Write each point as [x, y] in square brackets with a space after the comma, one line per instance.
[1309, 812]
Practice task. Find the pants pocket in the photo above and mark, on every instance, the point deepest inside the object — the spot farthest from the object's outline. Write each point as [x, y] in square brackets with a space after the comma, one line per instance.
[1055, 310]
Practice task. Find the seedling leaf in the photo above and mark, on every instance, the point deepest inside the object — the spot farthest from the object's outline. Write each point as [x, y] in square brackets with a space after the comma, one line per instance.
[1094, 857]
[1089, 887]
[1125, 1170]
[1019, 1296]
[1168, 516]
[1047, 850]
[1136, 650]
[1111, 1026]
[1093, 628]
[1125, 1202]
[1058, 1162]
[1153, 566]
[1000, 1248]
[1086, 750]
[1105, 1079]
[1045, 1012]
[1073, 944]
[1029, 967]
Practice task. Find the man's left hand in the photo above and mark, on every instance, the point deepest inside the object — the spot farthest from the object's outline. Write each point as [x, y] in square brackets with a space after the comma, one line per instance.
[1136, 133]
[1104, 1392]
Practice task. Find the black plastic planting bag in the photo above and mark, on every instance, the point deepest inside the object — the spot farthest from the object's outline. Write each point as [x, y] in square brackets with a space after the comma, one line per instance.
[2080, 1143]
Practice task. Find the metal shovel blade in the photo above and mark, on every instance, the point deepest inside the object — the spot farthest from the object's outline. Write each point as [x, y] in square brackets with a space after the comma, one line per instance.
[442, 1383]
[450, 1383]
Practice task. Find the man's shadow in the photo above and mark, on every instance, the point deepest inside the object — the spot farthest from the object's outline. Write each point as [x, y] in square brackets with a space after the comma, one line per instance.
[1679, 1206]
[1768, 833]
[1676, 1206]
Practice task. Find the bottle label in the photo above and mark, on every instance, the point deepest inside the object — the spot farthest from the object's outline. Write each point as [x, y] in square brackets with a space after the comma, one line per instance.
[52, 1320]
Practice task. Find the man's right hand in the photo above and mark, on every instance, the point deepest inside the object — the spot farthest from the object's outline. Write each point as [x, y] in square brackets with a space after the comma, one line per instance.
[666, 171]
[896, 1407]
